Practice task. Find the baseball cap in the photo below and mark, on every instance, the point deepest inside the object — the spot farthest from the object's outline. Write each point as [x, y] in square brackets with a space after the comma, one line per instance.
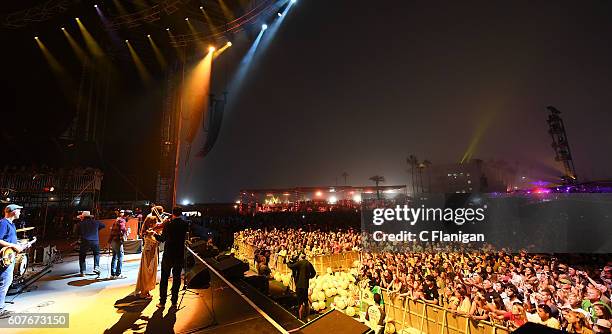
[12, 207]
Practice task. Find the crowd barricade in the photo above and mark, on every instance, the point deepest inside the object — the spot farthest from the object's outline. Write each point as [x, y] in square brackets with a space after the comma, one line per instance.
[416, 316]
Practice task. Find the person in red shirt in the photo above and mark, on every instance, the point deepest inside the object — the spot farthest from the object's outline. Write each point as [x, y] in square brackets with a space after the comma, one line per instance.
[516, 318]
[117, 236]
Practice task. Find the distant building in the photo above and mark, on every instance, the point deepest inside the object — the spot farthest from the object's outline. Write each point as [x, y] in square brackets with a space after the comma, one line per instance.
[473, 176]
[313, 199]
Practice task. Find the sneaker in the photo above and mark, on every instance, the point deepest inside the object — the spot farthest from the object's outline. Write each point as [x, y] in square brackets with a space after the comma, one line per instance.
[96, 271]
[82, 275]
[120, 276]
[112, 277]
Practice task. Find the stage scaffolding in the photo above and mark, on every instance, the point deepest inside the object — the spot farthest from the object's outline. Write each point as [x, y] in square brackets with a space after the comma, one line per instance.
[77, 188]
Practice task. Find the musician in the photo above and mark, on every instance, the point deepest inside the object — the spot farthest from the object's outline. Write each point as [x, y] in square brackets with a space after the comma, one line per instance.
[116, 239]
[90, 240]
[173, 234]
[147, 272]
[8, 238]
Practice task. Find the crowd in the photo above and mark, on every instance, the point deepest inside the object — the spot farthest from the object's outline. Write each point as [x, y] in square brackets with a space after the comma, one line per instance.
[569, 292]
[509, 289]
[290, 242]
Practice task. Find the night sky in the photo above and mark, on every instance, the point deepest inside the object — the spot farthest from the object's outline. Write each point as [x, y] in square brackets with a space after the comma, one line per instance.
[357, 86]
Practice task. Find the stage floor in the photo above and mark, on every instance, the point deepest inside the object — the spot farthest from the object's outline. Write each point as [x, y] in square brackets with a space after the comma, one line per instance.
[102, 305]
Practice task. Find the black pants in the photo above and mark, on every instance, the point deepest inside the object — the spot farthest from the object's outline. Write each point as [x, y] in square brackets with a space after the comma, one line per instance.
[176, 266]
[86, 246]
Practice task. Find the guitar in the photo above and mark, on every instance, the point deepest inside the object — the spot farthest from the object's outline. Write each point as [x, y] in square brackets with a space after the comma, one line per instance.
[8, 254]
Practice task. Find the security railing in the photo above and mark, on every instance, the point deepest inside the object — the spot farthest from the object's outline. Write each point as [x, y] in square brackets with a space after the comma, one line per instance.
[416, 316]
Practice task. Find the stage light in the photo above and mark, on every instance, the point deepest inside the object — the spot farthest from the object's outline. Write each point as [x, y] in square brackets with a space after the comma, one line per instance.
[167, 29]
[279, 14]
[293, 1]
[333, 200]
[127, 41]
[76, 18]
[185, 202]
[222, 49]
[357, 198]
[36, 37]
[201, 7]
[319, 193]
[186, 19]
[264, 26]
[211, 49]
[96, 6]
[148, 36]
[63, 28]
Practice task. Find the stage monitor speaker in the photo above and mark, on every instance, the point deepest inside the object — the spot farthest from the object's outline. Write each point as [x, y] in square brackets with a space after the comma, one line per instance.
[201, 248]
[259, 282]
[334, 322]
[197, 276]
[229, 267]
[132, 246]
[533, 328]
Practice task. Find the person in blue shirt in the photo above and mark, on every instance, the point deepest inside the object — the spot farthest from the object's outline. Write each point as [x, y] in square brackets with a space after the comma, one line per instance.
[8, 238]
[88, 230]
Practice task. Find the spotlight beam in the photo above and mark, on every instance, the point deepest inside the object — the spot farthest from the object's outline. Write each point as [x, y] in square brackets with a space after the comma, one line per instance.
[195, 95]
[221, 50]
[211, 26]
[260, 42]
[51, 60]
[66, 84]
[158, 55]
[142, 70]
[79, 52]
[91, 43]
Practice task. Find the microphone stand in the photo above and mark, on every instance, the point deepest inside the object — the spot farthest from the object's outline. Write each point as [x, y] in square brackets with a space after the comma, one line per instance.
[185, 289]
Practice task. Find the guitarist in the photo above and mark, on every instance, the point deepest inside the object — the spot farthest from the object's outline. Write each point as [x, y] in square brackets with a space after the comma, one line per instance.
[8, 238]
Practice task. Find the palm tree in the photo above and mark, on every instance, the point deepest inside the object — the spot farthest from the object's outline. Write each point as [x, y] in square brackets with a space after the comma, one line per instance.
[377, 179]
[345, 175]
[412, 162]
[427, 163]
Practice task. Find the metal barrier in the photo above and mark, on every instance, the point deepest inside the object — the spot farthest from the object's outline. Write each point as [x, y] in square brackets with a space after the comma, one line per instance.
[408, 315]
[416, 316]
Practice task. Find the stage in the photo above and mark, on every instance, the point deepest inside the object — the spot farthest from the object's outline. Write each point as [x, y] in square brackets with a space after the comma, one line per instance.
[102, 305]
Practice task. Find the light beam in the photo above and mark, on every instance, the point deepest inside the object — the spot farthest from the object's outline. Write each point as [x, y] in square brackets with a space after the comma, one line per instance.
[142, 70]
[158, 55]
